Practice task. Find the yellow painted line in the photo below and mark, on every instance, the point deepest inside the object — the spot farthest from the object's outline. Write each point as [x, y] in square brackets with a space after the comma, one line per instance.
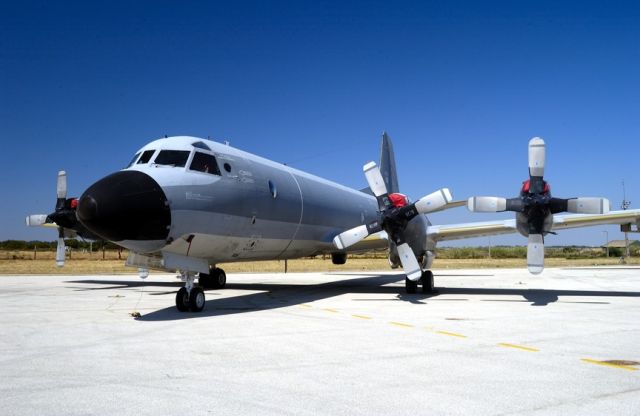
[401, 324]
[361, 316]
[519, 347]
[304, 305]
[603, 363]
[331, 310]
[451, 334]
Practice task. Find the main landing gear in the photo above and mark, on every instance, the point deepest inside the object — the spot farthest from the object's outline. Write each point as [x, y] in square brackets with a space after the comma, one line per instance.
[191, 297]
[426, 280]
[216, 279]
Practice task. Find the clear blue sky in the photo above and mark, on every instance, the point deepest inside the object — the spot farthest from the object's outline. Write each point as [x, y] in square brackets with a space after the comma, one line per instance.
[460, 86]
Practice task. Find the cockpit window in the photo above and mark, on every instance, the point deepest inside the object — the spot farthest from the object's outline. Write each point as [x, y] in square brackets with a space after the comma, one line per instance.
[145, 157]
[203, 162]
[176, 158]
[133, 160]
[200, 145]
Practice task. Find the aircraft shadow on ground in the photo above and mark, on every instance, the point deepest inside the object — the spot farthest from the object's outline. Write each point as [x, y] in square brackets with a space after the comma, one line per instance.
[277, 295]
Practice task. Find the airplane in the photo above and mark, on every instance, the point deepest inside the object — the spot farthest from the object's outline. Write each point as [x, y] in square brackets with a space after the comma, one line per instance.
[186, 204]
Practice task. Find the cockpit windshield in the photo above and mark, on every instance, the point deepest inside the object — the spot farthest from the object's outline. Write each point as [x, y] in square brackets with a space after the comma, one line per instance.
[133, 160]
[146, 155]
[176, 158]
[203, 162]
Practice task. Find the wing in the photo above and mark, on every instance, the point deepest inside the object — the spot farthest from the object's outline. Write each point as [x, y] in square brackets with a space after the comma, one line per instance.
[560, 222]
[631, 216]
[471, 229]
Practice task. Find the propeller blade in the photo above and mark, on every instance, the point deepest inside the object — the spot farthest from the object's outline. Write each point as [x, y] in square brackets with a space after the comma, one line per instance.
[536, 165]
[486, 204]
[36, 220]
[62, 185]
[535, 254]
[536, 157]
[434, 201]
[409, 262]
[588, 205]
[374, 179]
[350, 237]
[60, 250]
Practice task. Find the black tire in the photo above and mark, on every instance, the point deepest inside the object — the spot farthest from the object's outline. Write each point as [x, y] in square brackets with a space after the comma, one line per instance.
[338, 258]
[410, 286]
[427, 281]
[218, 279]
[204, 280]
[196, 299]
[182, 299]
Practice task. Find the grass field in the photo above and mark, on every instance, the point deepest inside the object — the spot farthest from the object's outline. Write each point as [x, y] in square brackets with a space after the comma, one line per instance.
[22, 262]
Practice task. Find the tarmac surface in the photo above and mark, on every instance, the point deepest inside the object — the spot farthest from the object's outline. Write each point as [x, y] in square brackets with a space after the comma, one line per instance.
[491, 342]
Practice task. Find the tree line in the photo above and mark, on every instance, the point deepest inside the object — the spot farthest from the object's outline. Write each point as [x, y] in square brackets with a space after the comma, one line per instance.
[21, 245]
[497, 252]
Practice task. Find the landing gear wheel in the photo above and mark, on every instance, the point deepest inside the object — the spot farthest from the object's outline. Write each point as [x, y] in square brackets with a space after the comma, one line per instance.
[196, 299]
[410, 285]
[427, 281]
[204, 280]
[218, 279]
[182, 299]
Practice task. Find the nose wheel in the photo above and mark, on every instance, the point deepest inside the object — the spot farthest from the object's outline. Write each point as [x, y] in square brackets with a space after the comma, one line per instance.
[190, 297]
[426, 280]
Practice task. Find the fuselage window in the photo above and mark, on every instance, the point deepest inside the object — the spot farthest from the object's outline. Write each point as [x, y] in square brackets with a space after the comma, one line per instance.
[145, 157]
[133, 160]
[203, 162]
[175, 158]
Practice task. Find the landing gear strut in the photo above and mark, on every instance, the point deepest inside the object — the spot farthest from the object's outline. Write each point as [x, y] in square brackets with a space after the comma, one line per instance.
[190, 297]
[426, 280]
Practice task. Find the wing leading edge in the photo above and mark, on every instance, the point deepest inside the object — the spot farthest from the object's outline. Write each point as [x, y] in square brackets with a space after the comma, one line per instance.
[560, 222]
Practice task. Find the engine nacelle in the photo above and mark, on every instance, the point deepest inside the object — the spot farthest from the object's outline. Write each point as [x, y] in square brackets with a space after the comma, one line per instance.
[522, 224]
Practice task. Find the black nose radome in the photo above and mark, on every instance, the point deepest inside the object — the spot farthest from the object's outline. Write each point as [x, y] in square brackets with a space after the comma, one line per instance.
[126, 205]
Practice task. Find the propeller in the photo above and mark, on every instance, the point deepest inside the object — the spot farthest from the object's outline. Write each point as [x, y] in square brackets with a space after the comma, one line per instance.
[394, 215]
[63, 217]
[535, 206]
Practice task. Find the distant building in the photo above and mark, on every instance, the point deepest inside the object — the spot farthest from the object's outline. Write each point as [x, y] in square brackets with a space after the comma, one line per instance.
[621, 244]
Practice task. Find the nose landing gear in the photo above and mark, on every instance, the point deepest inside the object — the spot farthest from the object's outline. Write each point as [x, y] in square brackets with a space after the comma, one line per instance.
[426, 280]
[190, 297]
